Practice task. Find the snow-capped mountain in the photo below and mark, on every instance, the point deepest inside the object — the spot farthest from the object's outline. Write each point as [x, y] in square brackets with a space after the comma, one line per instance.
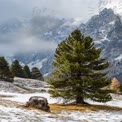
[115, 5]
[105, 29]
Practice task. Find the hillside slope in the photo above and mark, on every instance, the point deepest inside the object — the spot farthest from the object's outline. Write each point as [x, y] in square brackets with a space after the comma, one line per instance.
[13, 97]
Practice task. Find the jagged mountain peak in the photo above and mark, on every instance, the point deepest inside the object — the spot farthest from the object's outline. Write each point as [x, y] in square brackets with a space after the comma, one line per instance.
[105, 16]
[106, 31]
[115, 5]
[99, 25]
[118, 21]
[107, 11]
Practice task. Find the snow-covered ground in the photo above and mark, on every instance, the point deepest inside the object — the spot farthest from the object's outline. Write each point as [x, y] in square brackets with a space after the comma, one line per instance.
[11, 102]
[23, 98]
[116, 101]
[22, 115]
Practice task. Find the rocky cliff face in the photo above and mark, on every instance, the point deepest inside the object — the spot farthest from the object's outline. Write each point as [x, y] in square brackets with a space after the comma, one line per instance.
[106, 30]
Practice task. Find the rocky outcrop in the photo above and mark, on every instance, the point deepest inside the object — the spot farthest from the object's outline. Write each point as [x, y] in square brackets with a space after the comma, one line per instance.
[106, 31]
[38, 103]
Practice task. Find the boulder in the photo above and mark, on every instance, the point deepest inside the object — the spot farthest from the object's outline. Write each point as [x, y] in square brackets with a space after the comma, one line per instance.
[38, 103]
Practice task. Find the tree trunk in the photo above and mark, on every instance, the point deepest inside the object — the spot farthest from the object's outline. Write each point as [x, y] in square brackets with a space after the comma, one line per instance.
[80, 100]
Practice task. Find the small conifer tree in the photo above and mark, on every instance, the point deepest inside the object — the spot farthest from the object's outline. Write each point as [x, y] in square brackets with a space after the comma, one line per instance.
[120, 87]
[5, 73]
[27, 71]
[17, 70]
[36, 74]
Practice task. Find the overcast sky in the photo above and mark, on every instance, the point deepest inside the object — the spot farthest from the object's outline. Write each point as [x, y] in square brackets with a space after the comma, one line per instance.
[62, 8]
[9, 9]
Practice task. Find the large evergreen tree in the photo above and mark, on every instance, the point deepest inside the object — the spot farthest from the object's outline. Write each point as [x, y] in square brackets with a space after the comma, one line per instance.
[78, 71]
[17, 70]
[36, 74]
[5, 73]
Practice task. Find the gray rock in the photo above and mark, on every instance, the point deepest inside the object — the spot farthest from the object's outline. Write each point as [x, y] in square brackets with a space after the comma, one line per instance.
[39, 103]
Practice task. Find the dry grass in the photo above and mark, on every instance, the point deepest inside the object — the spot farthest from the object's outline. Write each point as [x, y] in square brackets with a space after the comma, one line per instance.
[4, 96]
[59, 107]
[31, 109]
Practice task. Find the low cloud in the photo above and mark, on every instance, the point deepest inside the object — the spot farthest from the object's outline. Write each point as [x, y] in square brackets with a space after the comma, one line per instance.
[26, 39]
[62, 8]
[24, 42]
[25, 45]
[32, 43]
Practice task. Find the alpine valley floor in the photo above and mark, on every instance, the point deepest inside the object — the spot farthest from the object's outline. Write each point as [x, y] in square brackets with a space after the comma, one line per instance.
[13, 97]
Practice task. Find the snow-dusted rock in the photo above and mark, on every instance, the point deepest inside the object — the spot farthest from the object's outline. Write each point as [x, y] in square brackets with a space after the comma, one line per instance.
[39, 103]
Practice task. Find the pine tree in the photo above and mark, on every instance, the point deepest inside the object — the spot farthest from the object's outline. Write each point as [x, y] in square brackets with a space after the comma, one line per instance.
[24, 73]
[17, 70]
[78, 71]
[5, 73]
[27, 71]
[36, 74]
[120, 87]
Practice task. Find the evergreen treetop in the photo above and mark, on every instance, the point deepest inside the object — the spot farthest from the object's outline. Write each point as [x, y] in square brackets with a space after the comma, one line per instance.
[120, 87]
[5, 73]
[17, 70]
[36, 74]
[27, 71]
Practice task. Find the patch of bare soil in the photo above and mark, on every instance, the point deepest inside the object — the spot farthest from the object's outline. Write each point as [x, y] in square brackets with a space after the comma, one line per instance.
[59, 107]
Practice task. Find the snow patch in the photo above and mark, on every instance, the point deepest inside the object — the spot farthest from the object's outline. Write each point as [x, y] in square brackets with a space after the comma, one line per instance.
[115, 5]
[38, 63]
[119, 57]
